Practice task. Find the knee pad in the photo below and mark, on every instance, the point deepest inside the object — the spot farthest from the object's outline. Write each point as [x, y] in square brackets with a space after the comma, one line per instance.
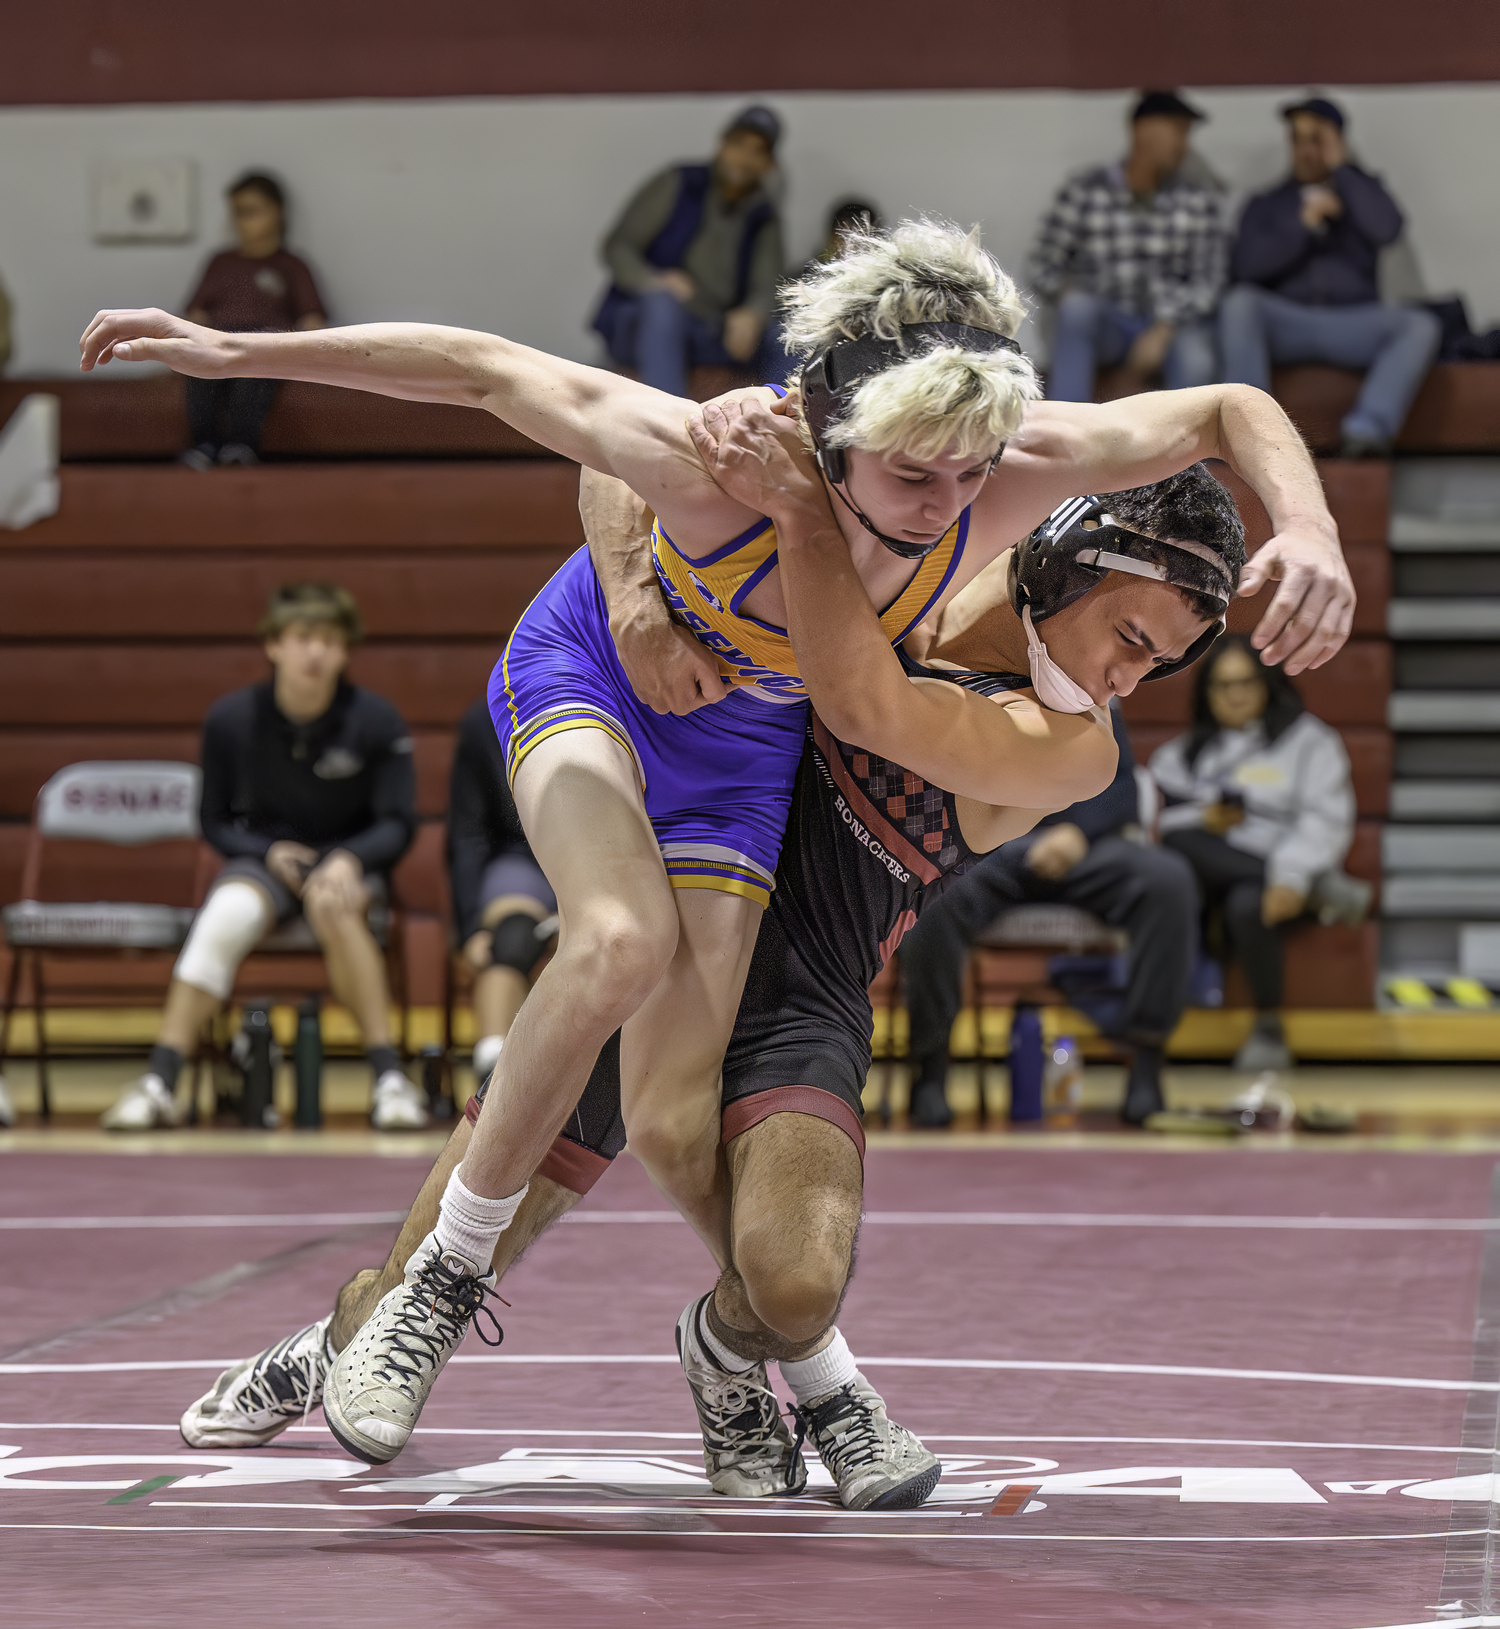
[233, 921]
[515, 943]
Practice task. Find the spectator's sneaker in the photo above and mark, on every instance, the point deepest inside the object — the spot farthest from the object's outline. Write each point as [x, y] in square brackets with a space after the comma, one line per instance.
[748, 1451]
[398, 1104]
[379, 1382]
[1265, 1048]
[144, 1105]
[236, 452]
[929, 1105]
[7, 1106]
[253, 1401]
[201, 458]
[877, 1464]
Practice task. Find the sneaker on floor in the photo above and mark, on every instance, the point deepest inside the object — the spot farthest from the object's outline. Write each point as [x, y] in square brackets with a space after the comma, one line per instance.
[7, 1105]
[144, 1105]
[1265, 1048]
[253, 1401]
[201, 458]
[748, 1451]
[236, 452]
[398, 1105]
[379, 1382]
[877, 1464]
[929, 1105]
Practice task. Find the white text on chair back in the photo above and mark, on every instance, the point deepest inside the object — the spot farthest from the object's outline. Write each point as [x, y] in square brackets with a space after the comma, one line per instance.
[121, 801]
[29, 489]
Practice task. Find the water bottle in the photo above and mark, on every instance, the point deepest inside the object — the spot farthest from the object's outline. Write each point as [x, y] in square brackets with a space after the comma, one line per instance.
[1062, 1083]
[308, 1061]
[1026, 1064]
[256, 1108]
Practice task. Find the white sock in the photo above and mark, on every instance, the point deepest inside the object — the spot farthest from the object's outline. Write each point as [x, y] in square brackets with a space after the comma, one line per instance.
[468, 1225]
[486, 1055]
[823, 1373]
[732, 1361]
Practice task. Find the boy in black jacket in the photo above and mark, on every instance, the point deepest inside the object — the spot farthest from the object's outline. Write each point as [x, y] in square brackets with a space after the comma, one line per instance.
[310, 796]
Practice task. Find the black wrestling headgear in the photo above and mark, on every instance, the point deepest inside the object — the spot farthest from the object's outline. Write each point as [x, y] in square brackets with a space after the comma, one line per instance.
[1073, 549]
[828, 382]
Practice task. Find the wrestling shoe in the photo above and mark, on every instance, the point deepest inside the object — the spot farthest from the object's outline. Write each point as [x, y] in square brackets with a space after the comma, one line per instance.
[748, 1451]
[877, 1464]
[255, 1400]
[398, 1105]
[379, 1382]
[144, 1105]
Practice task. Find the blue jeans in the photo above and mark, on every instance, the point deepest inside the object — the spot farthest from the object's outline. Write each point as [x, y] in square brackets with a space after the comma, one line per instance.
[661, 339]
[1092, 334]
[1396, 343]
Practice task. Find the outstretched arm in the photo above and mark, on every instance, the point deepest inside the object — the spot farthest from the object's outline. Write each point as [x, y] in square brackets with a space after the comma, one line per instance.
[1068, 448]
[610, 423]
[1005, 752]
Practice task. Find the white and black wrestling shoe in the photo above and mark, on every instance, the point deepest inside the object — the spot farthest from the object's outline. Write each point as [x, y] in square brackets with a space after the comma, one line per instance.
[877, 1464]
[379, 1382]
[253, 1401]
[748, 1451]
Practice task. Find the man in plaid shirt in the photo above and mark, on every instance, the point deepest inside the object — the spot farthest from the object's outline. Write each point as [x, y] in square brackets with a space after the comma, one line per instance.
[1134, 255]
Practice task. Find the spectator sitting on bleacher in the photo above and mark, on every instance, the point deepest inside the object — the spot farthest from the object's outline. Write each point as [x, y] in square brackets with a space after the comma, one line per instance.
[309, 794]
[1080, 857]
[257, 288]
[1258, 799]
[1304, 266]
[849, 215]
[500, 896]
[1133, 253]
[695, 259]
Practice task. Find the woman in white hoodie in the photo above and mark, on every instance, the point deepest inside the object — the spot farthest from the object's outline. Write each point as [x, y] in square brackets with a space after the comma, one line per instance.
[1258, 799]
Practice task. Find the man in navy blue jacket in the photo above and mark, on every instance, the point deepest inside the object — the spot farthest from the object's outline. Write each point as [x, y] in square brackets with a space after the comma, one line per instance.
[1304, 266]
[695, 258]
[1078, 857]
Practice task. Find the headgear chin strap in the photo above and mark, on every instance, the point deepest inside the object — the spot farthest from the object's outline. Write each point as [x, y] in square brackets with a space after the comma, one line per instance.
[1071, 552]
[828, 382]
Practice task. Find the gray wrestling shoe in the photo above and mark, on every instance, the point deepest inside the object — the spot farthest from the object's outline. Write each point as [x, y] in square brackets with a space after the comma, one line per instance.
[877, 1464]
[379, 1382]
[747, 1450]
[253, 1401]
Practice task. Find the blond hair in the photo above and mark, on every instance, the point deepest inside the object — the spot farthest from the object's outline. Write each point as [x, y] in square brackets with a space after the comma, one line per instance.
[312, 603]
[942, 398]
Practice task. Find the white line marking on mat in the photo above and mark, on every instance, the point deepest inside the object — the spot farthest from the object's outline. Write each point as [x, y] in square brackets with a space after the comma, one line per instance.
[988, 1536]
[877, 1218]
[1007, 1365]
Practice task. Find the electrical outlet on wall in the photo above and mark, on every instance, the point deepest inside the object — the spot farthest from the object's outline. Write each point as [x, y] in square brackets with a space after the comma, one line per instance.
[144, 200]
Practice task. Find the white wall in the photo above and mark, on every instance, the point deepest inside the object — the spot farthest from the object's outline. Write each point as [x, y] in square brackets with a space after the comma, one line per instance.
[487, 212]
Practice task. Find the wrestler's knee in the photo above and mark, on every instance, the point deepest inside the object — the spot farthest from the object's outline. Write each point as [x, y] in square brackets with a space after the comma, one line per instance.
[795, 1293]
[621, 951]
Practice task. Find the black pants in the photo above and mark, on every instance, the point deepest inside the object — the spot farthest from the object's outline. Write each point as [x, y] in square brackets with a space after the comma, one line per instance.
[221, 411]
[1234, 881]
[1147, 891]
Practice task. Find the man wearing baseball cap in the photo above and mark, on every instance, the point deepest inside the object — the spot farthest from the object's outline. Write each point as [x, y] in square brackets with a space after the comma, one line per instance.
[694, 260]
[1133, 254]
[1304, 266]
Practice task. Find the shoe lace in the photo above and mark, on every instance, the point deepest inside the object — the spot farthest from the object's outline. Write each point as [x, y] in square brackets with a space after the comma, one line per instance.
[737, 1410]
[286, 1380]
[845, 1430]
[452, 1299]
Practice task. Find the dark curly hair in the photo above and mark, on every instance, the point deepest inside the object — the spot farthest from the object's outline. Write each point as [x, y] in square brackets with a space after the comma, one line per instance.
[1195, 507]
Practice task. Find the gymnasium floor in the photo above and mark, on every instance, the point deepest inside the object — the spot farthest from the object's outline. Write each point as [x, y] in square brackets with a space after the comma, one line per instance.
[1177, 1384]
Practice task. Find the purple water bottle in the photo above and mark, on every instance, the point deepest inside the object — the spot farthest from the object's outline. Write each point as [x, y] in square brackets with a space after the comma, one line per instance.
[1026, 1064]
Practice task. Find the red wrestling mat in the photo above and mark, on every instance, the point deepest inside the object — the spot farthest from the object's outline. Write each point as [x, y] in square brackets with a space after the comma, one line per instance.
[1192, 1390]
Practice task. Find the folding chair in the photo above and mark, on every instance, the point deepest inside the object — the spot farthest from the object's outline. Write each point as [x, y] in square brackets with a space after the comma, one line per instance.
[125, 804]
